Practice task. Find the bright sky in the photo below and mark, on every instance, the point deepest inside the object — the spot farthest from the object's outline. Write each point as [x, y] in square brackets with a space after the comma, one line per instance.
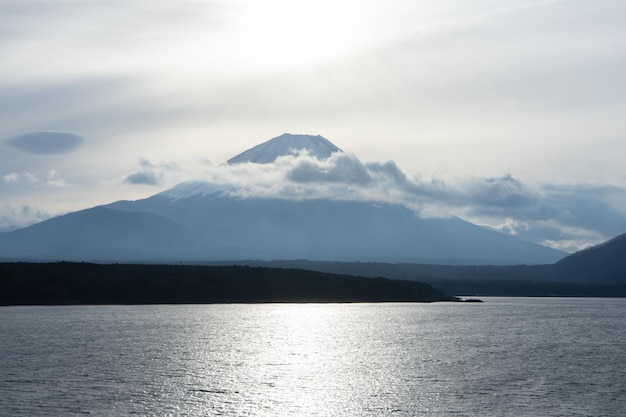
[511, 111]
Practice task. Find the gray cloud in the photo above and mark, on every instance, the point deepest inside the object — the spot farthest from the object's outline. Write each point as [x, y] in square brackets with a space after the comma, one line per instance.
[151, 173]
[342, 169]
[161, 165]
[500, 193]
[388, 170]
[144, 177]
[45, 143]
[567, 217]
[594, 206]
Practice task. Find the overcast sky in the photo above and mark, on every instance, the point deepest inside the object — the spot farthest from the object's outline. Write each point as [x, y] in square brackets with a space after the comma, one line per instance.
[507, 113]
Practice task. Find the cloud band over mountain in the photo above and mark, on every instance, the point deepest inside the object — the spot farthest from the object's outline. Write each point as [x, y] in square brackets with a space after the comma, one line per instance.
[564, 216]
[551, 214]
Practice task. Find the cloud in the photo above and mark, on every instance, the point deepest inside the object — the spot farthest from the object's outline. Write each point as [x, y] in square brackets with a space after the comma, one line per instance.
[162, 165]
[341, 169]
[500, 193]
[563, 216]
[144, 177]
[566, 217]
[510, 226]
[11, 177]
[14, 217]
[151, 173]
[52, 179]
[45, 143]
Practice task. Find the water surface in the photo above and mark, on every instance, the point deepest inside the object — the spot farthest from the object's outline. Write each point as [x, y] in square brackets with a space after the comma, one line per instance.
[505, 357]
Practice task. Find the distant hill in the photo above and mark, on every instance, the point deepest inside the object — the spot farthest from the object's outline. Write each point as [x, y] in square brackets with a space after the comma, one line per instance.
[602, 263]
[599, 271]
[300, 280]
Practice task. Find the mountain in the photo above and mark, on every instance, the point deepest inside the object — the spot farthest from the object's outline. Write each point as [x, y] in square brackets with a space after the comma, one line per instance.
[270, 228]
[99, 233]
[197, 221]
[202, 221]
[286, 144]
[601, 263]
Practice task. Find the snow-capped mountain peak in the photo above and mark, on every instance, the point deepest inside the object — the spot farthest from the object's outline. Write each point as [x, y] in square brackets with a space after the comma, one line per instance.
[286, 144]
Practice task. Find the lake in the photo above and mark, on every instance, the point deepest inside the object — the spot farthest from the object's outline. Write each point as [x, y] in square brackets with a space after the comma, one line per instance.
[504, 357]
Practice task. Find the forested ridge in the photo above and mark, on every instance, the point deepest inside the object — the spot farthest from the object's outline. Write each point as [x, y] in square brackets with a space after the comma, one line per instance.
[88, 283]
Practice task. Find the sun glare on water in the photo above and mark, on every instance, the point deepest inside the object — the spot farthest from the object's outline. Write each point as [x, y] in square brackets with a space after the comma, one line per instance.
[281, 34]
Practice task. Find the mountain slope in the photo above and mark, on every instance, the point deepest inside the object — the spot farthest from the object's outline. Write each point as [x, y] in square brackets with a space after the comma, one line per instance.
[99, 233]
[333, 230]
[217, 226]
[605, 262]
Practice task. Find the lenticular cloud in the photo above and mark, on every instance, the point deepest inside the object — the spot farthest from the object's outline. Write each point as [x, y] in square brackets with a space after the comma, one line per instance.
[44, 143]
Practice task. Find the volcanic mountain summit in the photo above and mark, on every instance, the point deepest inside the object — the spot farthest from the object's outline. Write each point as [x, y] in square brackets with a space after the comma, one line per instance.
[203, 221]
[286, 144]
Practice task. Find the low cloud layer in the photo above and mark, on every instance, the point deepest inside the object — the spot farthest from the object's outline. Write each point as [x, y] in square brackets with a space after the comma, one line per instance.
[45, 143]
[564, 216]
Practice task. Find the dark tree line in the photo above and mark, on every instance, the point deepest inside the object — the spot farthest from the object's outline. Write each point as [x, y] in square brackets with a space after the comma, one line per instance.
[86, 283]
